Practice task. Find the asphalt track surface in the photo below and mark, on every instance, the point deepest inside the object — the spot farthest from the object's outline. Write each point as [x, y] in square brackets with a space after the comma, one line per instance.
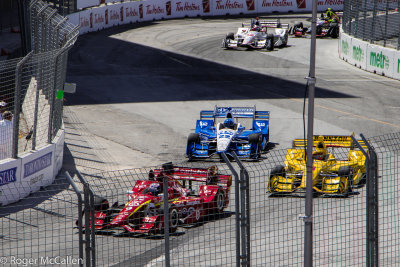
[141, 87]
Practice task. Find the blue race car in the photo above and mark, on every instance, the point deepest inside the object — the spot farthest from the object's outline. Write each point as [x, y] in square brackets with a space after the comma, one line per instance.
[222, 130]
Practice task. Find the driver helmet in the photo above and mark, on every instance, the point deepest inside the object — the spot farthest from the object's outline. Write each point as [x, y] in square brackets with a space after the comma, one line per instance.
[229, 123]
[320, 151]
[155, 189]
[256, 28]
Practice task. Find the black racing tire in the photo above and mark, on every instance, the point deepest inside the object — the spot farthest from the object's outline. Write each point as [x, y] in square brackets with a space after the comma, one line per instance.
[193, 138]
[254, 138]
[230, 35]
[335, 32]
[270, 42]
[219, 200]
[173, 219]
[168, 167]
[211, 180]
[101, 203]
[344, 171]
[278, 171]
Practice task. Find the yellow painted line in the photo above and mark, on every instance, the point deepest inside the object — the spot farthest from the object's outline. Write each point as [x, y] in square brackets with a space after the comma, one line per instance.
[351, 114]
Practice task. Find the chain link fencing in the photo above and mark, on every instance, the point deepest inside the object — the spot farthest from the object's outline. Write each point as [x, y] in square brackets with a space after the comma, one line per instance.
[375, 21]
[32, 86]
[260, 226]
[41, 229]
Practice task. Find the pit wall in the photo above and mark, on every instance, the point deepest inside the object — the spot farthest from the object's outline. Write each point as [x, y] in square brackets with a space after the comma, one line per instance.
[373, 58]
[105, 16]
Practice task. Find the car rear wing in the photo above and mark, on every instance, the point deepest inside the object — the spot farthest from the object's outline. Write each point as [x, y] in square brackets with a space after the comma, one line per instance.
[330, 141]
[205, 175]
[274, 24]
[237, 112]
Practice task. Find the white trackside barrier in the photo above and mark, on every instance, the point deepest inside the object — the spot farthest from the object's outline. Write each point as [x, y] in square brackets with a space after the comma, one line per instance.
[25, 175]
[373, 58]
[112, 14]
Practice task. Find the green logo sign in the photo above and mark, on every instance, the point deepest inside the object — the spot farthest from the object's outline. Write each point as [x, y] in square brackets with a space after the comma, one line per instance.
[398, 65]
[358, 53]
[379, 60]
[345, 47]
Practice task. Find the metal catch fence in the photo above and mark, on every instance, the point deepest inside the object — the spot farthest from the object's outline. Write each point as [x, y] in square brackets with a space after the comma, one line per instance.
[354, 223]
[32, 86]
[41, 230]
[375, 21]
[262, 224]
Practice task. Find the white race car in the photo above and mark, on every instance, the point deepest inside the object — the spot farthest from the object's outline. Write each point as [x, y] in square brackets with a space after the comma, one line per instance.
[280, 33]
[256, 36]
[253, 37]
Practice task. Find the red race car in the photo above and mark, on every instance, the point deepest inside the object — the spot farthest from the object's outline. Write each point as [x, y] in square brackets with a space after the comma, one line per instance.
[144, 211]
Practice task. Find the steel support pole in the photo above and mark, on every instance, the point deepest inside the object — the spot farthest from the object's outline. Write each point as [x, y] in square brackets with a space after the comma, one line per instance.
[245, 186]
[80, 224]
[237, 208]
[308, 220]
[17, 103]
[372, 206]
[166, 222]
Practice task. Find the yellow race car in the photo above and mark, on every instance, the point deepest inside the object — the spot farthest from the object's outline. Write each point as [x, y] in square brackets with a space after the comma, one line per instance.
[331, 176]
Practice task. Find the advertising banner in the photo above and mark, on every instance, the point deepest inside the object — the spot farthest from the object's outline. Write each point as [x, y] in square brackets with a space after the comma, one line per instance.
[131, 12]
[379, 60]
[11, 189]
[183, 8]
[344, 47]
[152, 10]
[359, 53]
[37, 168]
[268, 6]
[233, 7]
[92, 20]
[113, 15]
[396, 66]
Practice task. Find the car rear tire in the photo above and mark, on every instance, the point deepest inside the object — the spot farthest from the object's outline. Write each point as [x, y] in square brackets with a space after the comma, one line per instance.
[231, 36]
[278, 171]
[101, 203]
[173, 219]
[256, 140]
[270, 42]
[219, 200]
[193, 139]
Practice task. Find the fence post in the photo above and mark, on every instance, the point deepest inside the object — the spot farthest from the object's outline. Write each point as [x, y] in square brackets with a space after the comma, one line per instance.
[80, 225]
[372, 207]
[17, 102]
[53, 94]
[166, 221]
[371, 202]
[90, 239]
[245, 209]
[237, 207]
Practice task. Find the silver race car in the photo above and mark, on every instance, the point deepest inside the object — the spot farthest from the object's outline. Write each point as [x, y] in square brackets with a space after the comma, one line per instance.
[249, 36]
[280, 32]
[254, 35]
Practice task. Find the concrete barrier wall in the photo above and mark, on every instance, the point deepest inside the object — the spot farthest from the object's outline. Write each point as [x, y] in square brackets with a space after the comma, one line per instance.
[373, 58]
[110, 15]
[22, 176]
